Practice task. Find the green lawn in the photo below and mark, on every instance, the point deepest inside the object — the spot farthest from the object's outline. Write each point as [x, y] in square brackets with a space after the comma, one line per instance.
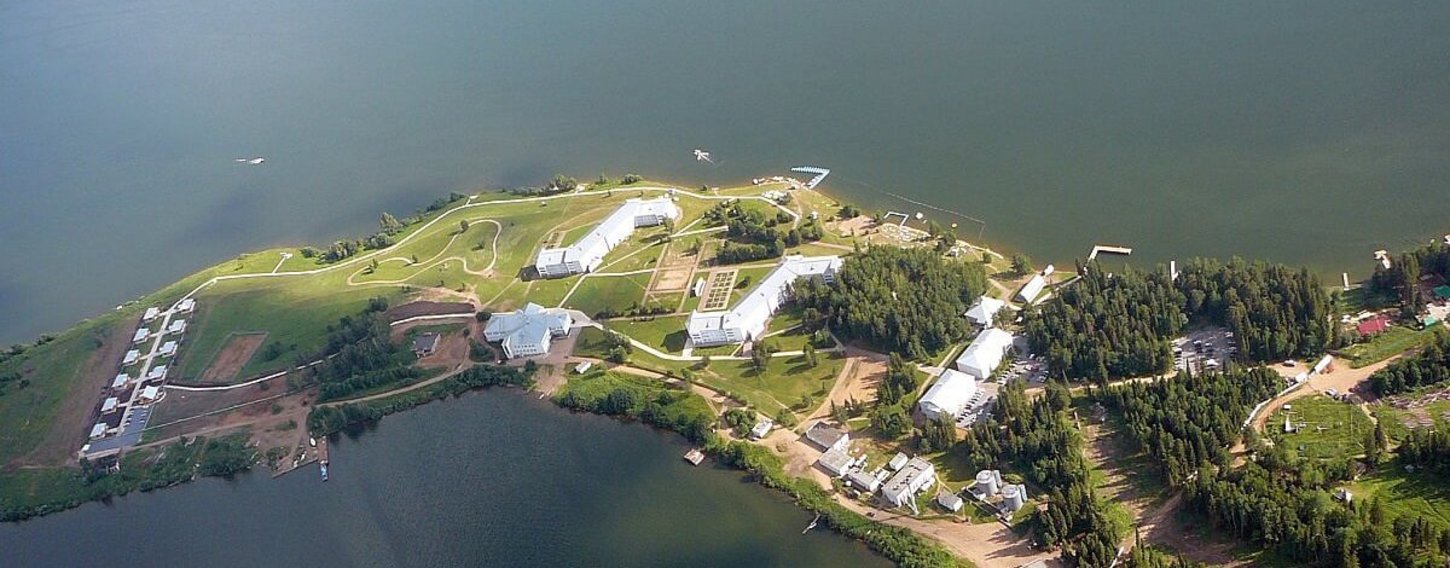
[1393, 341]
[615, 293]
[666, 333]
[1331, 429]
[54, 372]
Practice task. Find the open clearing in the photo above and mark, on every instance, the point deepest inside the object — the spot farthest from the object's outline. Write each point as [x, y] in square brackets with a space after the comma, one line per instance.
[235, 354]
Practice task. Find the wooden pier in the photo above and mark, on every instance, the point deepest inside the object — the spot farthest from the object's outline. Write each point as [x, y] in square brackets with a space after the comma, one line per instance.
[695, 456]
[1111, 249]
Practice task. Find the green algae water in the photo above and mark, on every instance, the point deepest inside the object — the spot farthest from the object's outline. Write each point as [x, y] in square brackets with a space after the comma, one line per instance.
[496, 478]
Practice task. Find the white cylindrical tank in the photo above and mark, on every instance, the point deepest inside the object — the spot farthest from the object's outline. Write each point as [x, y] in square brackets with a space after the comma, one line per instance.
[1013, 496]
[987, 482]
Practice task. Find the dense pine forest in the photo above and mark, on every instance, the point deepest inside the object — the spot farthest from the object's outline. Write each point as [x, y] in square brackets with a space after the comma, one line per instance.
[1119, 325]
[1039, 439]
[907, 301]
[1431, 365]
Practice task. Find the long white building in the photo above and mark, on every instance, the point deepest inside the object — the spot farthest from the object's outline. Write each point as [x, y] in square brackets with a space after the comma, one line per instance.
[746, 321]
[985, 353]
[948, 396]
[588, 253]
[529, 331]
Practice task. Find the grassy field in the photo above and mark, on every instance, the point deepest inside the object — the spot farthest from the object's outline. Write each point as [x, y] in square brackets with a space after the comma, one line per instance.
[54, 371]
[666, 333]
[1331, 429]
[1392, 342]
[1415, 494]
[615, 293]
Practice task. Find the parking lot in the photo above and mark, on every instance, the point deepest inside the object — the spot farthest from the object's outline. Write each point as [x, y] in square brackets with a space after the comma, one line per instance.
[1030, 369]
[1202, 350]
[979, 405]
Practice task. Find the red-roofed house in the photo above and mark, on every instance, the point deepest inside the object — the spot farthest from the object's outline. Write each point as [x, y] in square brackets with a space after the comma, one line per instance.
[1373, 326]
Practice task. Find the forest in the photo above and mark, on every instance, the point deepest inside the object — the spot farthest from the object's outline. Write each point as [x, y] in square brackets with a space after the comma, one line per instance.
[1116, 325]
[1189, 421]
[1429, 366]
[1040, 439]
[1275, 498]
[907, 301]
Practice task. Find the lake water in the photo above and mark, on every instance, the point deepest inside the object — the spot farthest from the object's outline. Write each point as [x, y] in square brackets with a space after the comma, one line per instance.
[1303, 131]
[497, 478]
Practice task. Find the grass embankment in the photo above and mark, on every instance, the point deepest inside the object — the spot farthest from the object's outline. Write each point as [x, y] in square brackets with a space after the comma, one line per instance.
[329, 419]
[1418, 494]
[1393, 341]
[689, 414]
[31, 493]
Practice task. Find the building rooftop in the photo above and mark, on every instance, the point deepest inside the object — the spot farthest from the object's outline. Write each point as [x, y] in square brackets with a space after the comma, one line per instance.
[425, 342]
[824, 435]
[984, 310]
[614, 229]
[949, 394]
[752, 313]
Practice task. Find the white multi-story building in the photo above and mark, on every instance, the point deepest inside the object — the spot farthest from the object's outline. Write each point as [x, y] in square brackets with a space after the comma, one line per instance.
[588, 253]
[529, 331]
[948, 396]
[985, 353]
[746, 321]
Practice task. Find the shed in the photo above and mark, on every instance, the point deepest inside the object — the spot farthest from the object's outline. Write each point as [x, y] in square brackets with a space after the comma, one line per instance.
[131, 357]
[1373, 326]
[120, 381]
[186, 305]
[897, 461]
[151, 313]
[178, 326]
[762, 427]
[98, 431]
[425, 344]
[150, 393]
[168, 349]
[827, 437]
[583, 367]
[157, 372]
[110, 404]
[949, 501]
[836, 461]
[141, 335]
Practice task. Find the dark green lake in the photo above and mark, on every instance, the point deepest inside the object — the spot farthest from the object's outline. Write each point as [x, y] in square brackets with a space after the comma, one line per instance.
[1304, 131]
[497, 478]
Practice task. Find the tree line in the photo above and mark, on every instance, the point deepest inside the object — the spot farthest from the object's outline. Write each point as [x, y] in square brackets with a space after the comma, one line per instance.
[907, 301]
[1120, 325]
[1431, 365]
[1277, 498]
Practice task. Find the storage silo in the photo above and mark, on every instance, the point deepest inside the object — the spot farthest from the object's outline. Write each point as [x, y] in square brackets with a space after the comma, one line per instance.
[1013, 497]
[989, 482]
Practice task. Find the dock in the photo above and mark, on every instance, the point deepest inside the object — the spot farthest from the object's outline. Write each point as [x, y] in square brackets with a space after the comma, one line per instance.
[322, 461]
[820, 173]
[1110, 249]
[695, 456]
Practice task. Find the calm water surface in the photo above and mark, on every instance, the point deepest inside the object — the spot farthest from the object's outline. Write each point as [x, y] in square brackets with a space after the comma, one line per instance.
[1307, 132]
[491, 479]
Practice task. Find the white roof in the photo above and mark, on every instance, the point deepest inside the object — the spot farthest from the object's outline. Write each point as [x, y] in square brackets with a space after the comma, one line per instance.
[157, 372]
[186, 305]
[141, 334]
[836, 461]
[120, 381]
[752, 313]
[762, 427]
[168, 348]
[949, 500]
[508, 323]
[178, 326]
[132, 356]
[150, 392]
[151, 313]
[1032, 288]
[985, 352]
[863, 480]
[897, 461]
[614, 229]
[98, 429]
[985, 309]
[916, 474]
[949, 394]
[110, 404]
